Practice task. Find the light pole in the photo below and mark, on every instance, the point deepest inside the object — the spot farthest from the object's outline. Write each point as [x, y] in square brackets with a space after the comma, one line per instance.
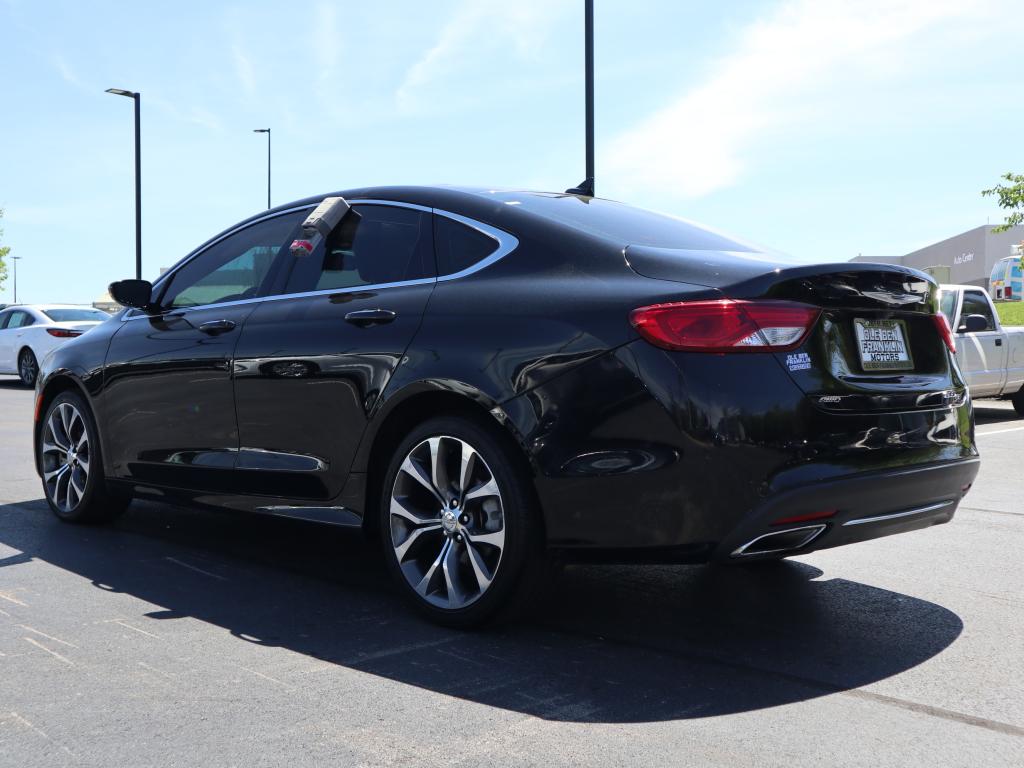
[136, 97]
[15, 259]
[266, 131]
[586, 187]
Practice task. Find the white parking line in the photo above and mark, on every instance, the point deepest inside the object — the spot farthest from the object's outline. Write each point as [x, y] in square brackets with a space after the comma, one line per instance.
[1001, 431]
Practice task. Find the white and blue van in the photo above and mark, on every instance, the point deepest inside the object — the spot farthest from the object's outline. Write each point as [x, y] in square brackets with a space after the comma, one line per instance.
[1007, 280]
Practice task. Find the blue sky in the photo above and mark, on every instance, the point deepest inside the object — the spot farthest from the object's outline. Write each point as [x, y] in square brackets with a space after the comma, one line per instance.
[817, 127]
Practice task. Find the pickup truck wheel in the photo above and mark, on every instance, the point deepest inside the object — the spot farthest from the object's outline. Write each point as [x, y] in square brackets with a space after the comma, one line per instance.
[1018, 402]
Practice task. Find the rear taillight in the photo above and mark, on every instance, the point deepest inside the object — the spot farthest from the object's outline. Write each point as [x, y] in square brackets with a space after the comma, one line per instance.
[1008, 292]
[942, 325]
[725, 325]
[63, 333]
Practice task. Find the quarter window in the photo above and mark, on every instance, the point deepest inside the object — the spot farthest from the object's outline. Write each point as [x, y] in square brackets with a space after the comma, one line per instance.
[459, 247]
[374, 245]
[19, 319]
[975, 304]
[235, 268]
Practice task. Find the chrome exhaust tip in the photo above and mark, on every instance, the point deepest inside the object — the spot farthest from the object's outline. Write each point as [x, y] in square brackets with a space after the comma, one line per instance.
[788, 540]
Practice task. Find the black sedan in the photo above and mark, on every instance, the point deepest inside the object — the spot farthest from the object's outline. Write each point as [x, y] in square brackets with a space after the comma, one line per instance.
[483, 379]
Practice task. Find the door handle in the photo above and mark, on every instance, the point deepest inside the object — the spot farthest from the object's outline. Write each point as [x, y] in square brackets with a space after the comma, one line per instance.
[999, 342]
[367, 317]
[217, 327]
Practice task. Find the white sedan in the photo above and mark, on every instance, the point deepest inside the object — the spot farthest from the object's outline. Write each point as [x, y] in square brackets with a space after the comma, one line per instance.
[28, 332]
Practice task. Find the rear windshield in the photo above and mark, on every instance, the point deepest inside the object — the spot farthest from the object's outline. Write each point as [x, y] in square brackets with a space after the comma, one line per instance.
[623, 223]
[75, 315]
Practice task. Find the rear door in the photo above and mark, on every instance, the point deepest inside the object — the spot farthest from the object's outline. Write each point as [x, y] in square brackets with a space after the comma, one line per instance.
[983, 353]
[12, 338]
[7, 362]
[311, 363]
[168, 402]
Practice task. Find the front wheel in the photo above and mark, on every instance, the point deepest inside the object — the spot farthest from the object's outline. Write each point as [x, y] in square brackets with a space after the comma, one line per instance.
[460, 529]
[69, 454]
[28, 367]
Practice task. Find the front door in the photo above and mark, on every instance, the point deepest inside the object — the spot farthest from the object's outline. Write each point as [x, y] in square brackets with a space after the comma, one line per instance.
[983, 353]
[168, 403]
[310, 365]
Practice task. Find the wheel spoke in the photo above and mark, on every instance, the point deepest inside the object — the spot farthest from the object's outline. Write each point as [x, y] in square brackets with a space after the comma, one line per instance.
[451, 578]
[79, 491]
[424, 583]
[468, 463]
[488, 488]
[399, 509]
[413, 469]
[483, 578]
[438, 471]
[61, 444]
[48, 476]
[65, 421]
[495, 539]
[402, 549]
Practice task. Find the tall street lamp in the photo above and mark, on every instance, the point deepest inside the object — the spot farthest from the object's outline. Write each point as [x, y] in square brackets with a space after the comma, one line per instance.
[266, 131]
[138, 179]
[15, 259]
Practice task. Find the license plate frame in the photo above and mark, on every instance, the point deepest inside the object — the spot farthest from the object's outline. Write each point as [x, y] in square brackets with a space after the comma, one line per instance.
[888, 338]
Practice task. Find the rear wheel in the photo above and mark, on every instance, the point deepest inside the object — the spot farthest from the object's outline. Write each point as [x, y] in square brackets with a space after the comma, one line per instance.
[1018, 402]
[28, 367]
[458, 522]
[69, 454]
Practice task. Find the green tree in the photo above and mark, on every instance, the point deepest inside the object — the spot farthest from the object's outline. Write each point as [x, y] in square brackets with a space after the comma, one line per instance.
[1011, 198]
[4, 250]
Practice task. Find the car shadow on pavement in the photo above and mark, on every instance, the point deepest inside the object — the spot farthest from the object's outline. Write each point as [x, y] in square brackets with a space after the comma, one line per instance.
[603, 644]
[987, 412]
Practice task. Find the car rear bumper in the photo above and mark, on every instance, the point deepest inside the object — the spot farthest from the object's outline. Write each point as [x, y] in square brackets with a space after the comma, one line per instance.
[863, 506]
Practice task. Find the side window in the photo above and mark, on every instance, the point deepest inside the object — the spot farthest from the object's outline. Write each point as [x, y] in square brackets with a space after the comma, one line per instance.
[236, 267]
[975, 304]
[20, 319]
[459, 247]
[4, 319]
[375, 245]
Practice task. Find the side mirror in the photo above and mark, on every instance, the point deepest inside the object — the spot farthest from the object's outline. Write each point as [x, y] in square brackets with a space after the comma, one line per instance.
[137, 294]
[973, 324]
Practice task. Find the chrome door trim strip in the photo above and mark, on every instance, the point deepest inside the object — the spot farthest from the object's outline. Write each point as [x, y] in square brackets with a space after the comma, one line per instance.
[897, 515]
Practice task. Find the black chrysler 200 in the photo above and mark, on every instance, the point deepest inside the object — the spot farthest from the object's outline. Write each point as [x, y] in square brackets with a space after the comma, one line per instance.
[481, 378]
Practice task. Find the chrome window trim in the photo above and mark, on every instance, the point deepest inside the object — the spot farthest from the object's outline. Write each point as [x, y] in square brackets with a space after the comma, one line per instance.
[506, 243]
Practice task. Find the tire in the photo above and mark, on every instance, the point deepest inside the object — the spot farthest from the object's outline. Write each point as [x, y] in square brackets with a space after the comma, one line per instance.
[69, 454]
[28, 367]
[1018, 402]
[477, 557]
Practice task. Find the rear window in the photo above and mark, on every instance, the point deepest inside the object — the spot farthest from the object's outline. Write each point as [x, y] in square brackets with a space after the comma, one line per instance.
[75, 315]
[623, 223]
[459, 247]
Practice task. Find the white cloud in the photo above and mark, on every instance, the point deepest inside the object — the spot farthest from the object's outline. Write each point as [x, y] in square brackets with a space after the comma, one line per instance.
[243, 69]
[697, 144]
[485, 26]
[69, 75]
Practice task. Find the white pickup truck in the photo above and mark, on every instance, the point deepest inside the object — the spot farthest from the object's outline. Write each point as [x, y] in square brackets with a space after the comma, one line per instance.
[991, 357]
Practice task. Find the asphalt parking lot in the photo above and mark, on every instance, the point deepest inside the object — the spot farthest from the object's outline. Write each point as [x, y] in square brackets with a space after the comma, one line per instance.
[183, 638]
